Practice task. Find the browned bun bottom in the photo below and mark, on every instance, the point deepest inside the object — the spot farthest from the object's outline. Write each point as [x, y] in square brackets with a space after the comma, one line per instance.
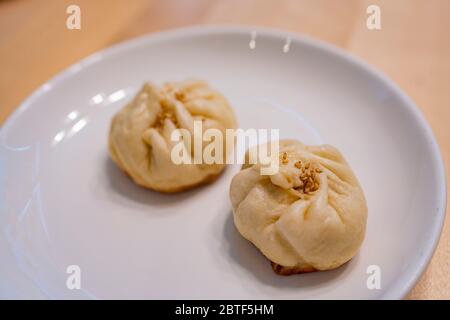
[287, 271]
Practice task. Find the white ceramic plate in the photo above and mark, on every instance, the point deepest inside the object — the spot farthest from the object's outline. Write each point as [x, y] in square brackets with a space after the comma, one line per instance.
[64, 203]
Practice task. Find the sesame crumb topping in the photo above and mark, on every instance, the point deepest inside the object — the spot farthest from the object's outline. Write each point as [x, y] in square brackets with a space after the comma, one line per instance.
[309, 176]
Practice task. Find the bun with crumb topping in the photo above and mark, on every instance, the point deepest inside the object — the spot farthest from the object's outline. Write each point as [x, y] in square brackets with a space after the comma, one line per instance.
[309, 216]
[140, 134]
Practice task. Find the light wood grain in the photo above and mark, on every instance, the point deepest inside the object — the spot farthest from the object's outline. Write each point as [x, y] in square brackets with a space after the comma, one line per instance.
[413, 48]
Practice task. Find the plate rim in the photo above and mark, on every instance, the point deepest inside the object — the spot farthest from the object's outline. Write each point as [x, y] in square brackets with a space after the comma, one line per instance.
[413, 274]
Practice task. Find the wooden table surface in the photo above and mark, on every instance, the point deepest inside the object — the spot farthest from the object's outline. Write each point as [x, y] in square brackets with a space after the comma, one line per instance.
[412, 47]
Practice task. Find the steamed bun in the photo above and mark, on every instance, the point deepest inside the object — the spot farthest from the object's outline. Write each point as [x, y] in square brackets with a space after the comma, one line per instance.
[140, 134]
[309, 216]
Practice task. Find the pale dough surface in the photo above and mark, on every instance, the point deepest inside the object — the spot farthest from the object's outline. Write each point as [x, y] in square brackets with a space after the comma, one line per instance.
[140, 135]
[321, 229]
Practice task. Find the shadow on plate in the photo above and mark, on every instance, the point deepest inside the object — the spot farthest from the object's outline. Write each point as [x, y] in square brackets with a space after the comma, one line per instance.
[125, 187]
[247, 256]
